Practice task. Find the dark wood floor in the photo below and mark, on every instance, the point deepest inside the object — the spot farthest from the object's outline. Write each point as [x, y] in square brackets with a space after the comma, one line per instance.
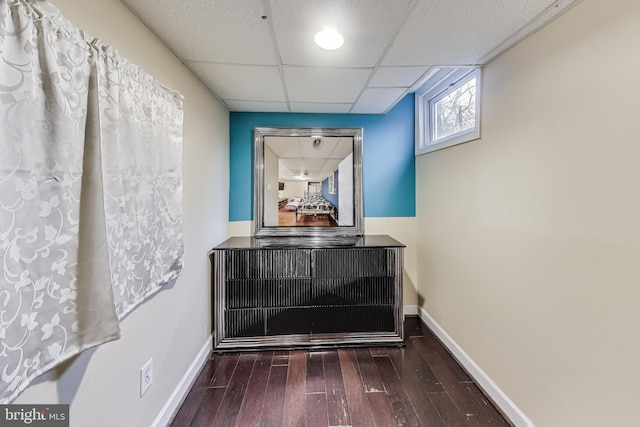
[417, 385]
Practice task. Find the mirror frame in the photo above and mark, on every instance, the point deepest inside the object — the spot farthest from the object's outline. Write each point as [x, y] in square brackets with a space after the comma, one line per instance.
[259, 133]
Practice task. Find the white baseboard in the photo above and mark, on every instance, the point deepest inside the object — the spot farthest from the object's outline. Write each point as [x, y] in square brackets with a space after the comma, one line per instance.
[411, 310]
[180, 392]
[481, 378]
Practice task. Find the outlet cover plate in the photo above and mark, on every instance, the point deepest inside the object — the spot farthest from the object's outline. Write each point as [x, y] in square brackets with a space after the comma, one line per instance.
[146, 377]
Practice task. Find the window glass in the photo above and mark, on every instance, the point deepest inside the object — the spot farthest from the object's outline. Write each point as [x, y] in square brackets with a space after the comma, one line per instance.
[448, 109]
[454, 111]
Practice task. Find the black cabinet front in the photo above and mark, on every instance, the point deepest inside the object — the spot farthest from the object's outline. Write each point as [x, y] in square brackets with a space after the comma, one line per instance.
[307, 297]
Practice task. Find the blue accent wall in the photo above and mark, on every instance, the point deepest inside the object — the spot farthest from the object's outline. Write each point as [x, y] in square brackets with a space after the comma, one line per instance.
[388, 164]
[331, 198]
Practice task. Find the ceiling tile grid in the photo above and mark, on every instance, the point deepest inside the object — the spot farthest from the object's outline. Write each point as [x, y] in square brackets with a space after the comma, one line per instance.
[330, 85]
[459, 32]
[261, 106]
[259, 55]
[241, 82]
[367, 26]
[221, 31]
[397, 76]
[320, 107]
[372, 98]
[300, 159]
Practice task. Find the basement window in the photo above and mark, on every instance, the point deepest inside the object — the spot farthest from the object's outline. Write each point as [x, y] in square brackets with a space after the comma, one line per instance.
[448, 109]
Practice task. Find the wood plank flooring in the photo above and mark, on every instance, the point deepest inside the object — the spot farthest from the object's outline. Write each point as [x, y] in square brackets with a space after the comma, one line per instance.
[416, 385]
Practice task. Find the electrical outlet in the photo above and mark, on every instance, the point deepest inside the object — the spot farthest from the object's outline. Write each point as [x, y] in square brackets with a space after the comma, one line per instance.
[146, 377]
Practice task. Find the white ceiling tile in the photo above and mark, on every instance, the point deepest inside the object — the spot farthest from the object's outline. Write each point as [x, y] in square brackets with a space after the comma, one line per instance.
[367, 26]
[397, 76]
[241, 82]
[287, 171]
[459, 32]
[324, 150]
[285, 147]
[377, 100]
[344, 147]
[314, 164]
[331, 85]
[330, 166]
[218, 31]
[257, 106]
[299, 157]
[318, 107]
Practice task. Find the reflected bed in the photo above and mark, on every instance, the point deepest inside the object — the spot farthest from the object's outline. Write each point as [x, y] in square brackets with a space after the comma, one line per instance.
[315, 205]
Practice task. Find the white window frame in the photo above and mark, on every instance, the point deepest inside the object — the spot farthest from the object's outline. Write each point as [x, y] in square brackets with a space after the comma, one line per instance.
[440, 81]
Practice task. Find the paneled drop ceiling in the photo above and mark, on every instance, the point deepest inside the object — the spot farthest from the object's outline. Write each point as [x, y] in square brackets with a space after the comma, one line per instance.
[259, 55]
[309, 159]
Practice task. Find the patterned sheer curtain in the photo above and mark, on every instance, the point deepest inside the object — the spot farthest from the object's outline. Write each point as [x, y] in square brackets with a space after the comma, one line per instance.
[90, 191]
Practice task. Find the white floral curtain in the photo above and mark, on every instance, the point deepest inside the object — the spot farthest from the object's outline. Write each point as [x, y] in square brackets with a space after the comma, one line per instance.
[90, 190]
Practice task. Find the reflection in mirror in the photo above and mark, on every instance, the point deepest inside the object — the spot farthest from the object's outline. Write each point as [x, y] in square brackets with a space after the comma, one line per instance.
[308, 181]
[309, 169]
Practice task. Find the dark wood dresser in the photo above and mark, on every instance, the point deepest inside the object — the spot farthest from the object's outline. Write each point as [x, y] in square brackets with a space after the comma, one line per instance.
[293, 292]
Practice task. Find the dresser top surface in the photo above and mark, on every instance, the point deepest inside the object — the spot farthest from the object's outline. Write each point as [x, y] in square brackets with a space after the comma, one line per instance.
[370, 241]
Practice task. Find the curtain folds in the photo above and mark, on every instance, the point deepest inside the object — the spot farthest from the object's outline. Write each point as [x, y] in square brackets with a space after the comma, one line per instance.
[90, 190]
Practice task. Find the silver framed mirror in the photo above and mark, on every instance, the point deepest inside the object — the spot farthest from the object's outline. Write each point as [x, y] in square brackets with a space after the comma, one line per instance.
[308, 182]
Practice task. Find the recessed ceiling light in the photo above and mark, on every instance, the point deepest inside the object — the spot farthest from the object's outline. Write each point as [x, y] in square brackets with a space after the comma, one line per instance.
[329, 39]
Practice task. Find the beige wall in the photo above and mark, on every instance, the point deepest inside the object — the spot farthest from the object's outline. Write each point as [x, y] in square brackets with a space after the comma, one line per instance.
[529, 245]
[102, 385]
[403, 229]
[294, 189]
